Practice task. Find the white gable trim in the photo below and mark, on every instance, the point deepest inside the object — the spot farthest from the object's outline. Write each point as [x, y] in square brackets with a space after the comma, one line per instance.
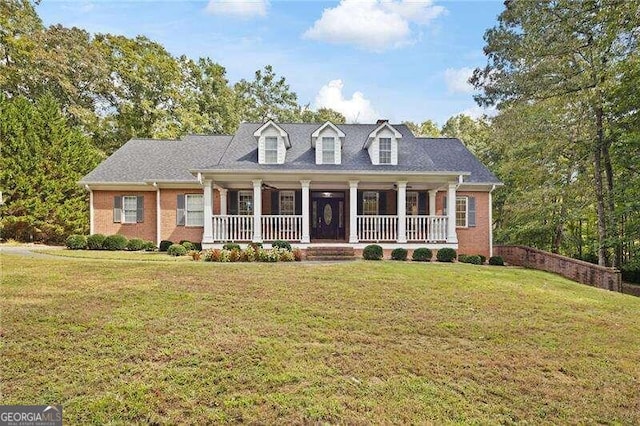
[385, 125]
[271, 123]
[319, 130]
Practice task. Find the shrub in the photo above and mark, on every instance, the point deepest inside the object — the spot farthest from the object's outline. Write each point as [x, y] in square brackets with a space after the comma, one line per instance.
[297, 254]
[255, 246]
[149, 246]
[224, 255]
[269, 255]
[115, 242]
[249, 254]
[281, 244]
[462, 258]
[631, 273]
[496, 261]
[372, 252]
[135, 244]
[212, 255]
[198, 246]
[195, 255]
[483, 259]
[188, 245]
[176, 250]
[234, 255]
[76, 242]
[285, 255]
[165, 244]
[95, 241]
[446, 255]
[473, 259]
[422, 254]
[399, 254]
[231, 246]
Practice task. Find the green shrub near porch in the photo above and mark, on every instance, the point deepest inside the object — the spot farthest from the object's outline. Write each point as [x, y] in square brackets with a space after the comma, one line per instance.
[76, 242]
[115, 242]
[372, 252]
[446, 255]
[422, 254]
[399, 254]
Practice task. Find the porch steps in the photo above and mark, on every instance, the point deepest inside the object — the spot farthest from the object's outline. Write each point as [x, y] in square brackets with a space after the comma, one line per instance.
[330, 253]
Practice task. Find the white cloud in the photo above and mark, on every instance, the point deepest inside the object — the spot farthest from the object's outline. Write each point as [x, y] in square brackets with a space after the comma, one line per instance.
[358, 109]
[238, 8]
[457, 80]
[375, 25]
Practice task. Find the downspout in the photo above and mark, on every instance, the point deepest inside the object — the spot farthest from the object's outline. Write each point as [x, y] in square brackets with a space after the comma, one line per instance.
[91, 213]
[158, 215]
[491, 221]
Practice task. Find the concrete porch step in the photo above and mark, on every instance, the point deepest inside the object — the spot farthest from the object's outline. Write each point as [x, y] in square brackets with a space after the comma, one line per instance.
[330, 253]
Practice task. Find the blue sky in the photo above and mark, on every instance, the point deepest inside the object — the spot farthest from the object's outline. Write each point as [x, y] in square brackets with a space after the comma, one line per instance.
[395, 59]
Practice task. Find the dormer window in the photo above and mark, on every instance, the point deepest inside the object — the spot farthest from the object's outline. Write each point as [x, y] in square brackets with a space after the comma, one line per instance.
[270, 150]
[385, 151]
[328, 150]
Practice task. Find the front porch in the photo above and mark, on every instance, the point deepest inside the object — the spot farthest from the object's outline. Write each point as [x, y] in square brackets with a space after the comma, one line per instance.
[351, 213]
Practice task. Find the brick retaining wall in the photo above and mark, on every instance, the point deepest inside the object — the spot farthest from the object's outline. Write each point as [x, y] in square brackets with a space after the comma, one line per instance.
[573, 269]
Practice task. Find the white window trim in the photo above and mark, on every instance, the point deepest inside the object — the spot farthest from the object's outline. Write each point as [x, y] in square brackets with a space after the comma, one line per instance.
[377, 203]
[123, 216]
[292, 194]
[240, 195]
[266, 150]
[186, 210]
[466, 212]
[332, 152]
[390, 150]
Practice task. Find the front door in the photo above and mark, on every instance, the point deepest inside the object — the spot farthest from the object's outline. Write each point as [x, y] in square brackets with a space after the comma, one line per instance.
[327, 217]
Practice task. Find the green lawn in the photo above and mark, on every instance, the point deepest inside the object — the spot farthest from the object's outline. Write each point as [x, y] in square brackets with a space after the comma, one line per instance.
[377, 342]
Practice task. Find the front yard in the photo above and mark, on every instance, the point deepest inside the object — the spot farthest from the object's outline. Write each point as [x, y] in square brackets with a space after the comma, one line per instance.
[369, 342]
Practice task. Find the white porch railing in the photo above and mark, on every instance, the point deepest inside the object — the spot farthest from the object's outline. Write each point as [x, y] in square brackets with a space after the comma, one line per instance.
[427, 228]
[233, 228]
[282, 227]
[377, 227]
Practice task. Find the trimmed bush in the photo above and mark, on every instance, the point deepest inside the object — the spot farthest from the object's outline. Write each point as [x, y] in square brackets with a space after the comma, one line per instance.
[176, 250]
[281, 244]
[231, 246]
[496, 261]
[135, 244]
[188, 245]
[446, 255]
[149, 246]
[399, 254]
[76, 242]
[473, 259]
[372, 252]
[483, 259]
[95, 241]
[115, 242]
[165, 244]
[422, 254]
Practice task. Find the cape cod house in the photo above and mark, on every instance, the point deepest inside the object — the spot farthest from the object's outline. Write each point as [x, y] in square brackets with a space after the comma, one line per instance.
[309, 184]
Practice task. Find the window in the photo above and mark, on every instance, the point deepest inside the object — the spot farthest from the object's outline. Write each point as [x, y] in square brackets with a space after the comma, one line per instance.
[287, 202]
[271, 150]
[461, 212]
[412, 203]
[370, 203]
[328, 150]
[129, 209]
[194, 204]
[385, 151]
[245, 202]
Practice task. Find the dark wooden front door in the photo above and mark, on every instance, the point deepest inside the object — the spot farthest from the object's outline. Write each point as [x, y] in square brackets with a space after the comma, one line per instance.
[328, 223]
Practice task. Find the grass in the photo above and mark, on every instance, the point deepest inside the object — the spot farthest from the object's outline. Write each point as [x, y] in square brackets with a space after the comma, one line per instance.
[363, 342]
[115, 255]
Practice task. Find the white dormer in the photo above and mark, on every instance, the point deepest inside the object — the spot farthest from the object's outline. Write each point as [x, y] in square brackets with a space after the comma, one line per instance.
[382, 145]
[327, 140]
[273, 143]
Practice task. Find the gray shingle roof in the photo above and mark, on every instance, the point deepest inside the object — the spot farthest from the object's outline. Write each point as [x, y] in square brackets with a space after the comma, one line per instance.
[155, 160]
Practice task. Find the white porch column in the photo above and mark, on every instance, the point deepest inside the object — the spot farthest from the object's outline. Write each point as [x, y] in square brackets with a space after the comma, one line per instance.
[92, 221]
[306, 238]
[432, 202]
[223, 201]
[158, 216]
[353, 211]
[207, 236]
[402, 211]
[452, 237]
[257, 210]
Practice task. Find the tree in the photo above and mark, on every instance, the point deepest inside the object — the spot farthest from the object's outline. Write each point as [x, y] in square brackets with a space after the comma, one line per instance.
[567, 50]
[427, 129]
[42, 159]
[475, 134]
[266, 97]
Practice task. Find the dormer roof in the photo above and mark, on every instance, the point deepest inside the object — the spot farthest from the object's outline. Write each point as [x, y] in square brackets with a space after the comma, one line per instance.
[374, 133]
[316, 133]
[283, 133]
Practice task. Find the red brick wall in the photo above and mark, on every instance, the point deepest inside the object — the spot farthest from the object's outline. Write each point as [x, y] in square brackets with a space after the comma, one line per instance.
[476, 240]
[103, 215]
[168, 203]
[573, 269]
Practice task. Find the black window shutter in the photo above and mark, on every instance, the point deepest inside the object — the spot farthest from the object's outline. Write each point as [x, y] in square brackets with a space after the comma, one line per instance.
[232, 202]
[117, 209]
[275, 202]
[382, 202]
[298, 200]
[444, 205]
[180, 210]
[359, 197]
[422, 203]
[140, 209]
[471, 207]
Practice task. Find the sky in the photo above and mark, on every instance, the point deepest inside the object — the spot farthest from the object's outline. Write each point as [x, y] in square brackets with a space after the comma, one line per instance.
[368, 59]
